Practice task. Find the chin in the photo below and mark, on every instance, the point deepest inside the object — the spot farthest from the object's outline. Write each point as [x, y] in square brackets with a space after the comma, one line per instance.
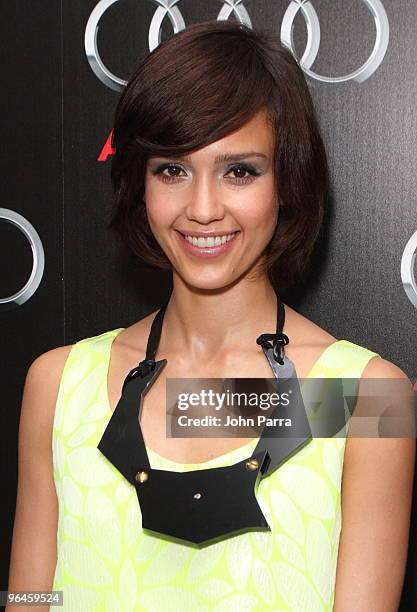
[207, 285]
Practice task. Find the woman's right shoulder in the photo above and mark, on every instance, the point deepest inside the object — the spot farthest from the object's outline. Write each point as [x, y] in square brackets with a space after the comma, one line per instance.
[45, 372]
[47, 368]
[41, 387]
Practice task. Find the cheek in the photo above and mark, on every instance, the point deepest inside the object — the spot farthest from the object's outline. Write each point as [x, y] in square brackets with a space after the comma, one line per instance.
[156, 209]
[156, 214]
[260, 209]
[161, 211]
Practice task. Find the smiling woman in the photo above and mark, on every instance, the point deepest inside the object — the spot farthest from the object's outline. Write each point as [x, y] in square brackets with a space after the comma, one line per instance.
[200, 192]
[220, 175]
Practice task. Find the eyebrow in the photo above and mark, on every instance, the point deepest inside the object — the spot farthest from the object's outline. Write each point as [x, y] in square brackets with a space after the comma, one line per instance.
[225, 157]
[238, 156]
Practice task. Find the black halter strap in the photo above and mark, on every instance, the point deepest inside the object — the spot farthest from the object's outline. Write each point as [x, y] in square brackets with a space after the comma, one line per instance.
[279, 339]
[155, 334]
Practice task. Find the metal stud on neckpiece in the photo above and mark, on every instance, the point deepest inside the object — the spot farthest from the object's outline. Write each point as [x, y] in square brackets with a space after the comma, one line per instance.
[252, 464]
[141, 477]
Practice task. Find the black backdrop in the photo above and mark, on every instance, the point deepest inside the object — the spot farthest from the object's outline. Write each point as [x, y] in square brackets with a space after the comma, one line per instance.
[56, 118]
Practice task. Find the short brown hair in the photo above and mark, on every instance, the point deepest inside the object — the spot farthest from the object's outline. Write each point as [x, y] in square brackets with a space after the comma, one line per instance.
[198, 86]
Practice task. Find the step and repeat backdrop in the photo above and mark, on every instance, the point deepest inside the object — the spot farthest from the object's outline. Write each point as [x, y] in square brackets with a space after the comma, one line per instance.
[63, 276]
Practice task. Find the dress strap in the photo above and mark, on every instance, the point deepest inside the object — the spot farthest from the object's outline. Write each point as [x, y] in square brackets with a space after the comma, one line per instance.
[155, 333]
[279, 339]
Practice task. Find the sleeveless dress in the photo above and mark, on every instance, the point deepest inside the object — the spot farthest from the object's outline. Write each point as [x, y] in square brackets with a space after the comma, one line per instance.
[106, 563]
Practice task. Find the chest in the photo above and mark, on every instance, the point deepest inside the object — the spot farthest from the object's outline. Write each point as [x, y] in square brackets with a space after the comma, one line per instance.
[152, 413]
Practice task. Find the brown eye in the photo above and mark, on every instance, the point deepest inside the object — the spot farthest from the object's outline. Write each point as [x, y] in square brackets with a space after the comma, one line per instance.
[173, 172]
[240, 170]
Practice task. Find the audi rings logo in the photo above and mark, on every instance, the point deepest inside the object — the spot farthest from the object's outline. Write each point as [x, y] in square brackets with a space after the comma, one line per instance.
[236, 7]
[38, 256]
[407, 269]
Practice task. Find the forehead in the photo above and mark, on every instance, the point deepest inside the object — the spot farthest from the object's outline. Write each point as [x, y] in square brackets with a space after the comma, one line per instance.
[256, 130]
[254, 135]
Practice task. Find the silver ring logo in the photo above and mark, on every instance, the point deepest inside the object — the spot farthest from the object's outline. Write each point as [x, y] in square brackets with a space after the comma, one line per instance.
[407, 269]
[313, 40]
[164, 8]
[170, 8]
[38, 256]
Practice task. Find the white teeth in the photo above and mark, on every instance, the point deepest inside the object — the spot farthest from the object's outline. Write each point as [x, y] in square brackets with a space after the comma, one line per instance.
[211, 241]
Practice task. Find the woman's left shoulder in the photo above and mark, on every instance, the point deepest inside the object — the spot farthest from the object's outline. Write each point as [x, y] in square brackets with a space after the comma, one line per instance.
[378, 367]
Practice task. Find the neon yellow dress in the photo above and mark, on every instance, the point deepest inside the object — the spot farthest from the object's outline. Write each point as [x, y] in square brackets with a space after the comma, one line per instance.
[106, 563]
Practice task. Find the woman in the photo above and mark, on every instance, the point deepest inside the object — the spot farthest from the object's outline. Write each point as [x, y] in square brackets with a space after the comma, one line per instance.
[215, 135]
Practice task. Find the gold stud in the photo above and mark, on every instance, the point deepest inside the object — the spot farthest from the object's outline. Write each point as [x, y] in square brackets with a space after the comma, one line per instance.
[141, 477]
[252, 464]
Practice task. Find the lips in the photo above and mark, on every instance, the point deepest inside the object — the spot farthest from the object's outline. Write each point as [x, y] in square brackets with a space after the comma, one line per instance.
[205, 251]
[209, 241]
[206, 234]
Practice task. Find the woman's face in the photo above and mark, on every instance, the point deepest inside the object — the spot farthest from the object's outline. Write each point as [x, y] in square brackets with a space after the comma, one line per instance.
[225, 190]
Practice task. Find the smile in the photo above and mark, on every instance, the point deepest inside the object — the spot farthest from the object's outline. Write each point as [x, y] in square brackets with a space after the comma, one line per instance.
[209, 246]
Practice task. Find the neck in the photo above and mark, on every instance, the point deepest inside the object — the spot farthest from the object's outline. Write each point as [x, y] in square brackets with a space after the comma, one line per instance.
[203, 323]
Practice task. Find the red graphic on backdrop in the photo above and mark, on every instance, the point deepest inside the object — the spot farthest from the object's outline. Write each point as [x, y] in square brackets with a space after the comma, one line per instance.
[107, 150]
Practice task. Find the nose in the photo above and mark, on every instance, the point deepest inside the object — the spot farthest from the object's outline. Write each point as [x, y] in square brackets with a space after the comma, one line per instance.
[205, 205]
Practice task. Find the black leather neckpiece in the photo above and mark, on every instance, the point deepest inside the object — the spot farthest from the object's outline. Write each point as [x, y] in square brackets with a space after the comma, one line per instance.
[201, 506]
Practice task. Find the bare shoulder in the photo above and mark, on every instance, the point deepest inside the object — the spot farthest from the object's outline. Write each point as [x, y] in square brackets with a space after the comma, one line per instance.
[303, 331]
[378, 367]
[41, 388]
[135, 336]
[396, 397]
[49, 364]
[46, 370]
[130, 344]
[40, 394]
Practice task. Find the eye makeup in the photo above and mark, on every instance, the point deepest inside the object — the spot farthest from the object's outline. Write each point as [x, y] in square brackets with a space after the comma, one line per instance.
[247, 170]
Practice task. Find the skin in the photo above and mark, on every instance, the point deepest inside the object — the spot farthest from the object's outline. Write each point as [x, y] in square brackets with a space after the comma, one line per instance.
[203, 336]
